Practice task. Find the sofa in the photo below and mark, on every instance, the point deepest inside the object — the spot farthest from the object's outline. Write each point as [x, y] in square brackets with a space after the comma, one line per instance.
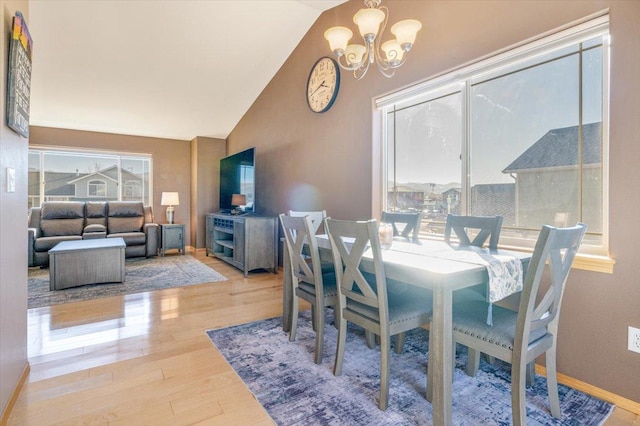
[57, 221]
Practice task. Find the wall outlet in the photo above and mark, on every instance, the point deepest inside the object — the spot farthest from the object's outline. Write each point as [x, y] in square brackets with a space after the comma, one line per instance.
[634, 339]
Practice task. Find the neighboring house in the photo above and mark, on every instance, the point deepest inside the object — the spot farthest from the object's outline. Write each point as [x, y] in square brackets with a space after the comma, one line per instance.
[493, 199]
[546, 179]
[97, 186]
[406, 198]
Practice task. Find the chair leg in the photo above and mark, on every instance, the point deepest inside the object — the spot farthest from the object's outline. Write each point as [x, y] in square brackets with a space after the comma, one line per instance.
[342, 340]
[473, 361]
[319, 327]
[293, 328]
[385, 349]
[490, 359]
[314, 314]
[552, 383]
[429, 373]
[531, 373]
[370, 338]
[518, 401]
[399, 344]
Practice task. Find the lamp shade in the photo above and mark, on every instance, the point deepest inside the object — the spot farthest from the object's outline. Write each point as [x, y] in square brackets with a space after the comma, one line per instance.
[393, 51]
[354, 53]
[170, 199]
[368, 21]
[338, 37]
[405, 31]
[238, 200]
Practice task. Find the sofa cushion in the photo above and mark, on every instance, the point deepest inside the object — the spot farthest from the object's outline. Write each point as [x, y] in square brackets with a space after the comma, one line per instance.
[62, 210]
[61, 227]
[125, 217]
[94, 228]
[61, 218]
[96, 213]
[47, 243]
[130, 238]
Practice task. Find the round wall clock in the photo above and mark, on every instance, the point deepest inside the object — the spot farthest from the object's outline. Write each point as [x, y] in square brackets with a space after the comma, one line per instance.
[323, 84]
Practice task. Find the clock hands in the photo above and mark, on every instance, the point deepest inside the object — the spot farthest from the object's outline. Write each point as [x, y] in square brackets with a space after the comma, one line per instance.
[318, 88]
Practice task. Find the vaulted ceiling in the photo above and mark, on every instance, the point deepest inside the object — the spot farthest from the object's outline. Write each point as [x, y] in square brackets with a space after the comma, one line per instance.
[171, 68]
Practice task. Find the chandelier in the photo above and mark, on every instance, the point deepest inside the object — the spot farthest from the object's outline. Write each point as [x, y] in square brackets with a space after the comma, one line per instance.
[358, 58]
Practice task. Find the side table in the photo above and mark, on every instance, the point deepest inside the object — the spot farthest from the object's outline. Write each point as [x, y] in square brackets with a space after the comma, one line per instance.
[172, 237]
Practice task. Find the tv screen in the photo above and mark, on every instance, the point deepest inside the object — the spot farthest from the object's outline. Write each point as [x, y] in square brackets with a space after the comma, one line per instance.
[237, 176]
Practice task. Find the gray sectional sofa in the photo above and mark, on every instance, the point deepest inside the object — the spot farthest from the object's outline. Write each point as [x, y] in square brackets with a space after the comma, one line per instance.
[55, 222]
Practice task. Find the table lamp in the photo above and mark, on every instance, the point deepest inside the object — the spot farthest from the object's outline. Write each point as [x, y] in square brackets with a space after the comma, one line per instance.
[236, 201]
[170, 199]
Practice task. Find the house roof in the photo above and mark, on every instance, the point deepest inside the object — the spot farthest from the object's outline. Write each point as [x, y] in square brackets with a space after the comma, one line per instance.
[559, 147]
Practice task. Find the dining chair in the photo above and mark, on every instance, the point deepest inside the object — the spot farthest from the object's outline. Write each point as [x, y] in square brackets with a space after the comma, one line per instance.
[481, 228]
[519, 337]
[317, 217]
[309, 281]
[363, 298]
[473, 231]
[411, 221]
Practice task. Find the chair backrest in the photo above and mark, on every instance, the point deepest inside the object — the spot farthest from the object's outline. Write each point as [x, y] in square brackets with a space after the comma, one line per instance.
[349, 240]
[411, 221]
[487, 228]
[559, 246]
[298, 233]
[317, 218]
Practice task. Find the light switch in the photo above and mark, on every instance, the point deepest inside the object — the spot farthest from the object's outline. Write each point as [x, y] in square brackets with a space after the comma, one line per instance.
[11, 179]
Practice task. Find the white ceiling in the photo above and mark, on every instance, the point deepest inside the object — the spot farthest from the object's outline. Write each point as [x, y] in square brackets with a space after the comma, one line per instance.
[170, 68]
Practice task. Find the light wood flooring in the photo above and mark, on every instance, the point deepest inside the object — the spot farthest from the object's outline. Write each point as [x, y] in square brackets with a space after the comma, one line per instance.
[145, 359]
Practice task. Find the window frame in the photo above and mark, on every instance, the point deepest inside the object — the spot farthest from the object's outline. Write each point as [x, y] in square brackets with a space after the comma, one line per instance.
[462, 78]
[96, 182]
[118, 158]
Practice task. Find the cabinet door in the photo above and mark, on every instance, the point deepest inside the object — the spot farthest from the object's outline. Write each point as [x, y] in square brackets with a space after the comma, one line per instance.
[238, 242]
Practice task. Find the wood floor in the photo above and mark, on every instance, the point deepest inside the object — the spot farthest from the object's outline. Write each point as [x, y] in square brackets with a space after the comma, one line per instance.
[144, 359]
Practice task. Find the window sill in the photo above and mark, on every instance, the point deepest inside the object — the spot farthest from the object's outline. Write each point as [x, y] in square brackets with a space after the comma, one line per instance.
[594, 263]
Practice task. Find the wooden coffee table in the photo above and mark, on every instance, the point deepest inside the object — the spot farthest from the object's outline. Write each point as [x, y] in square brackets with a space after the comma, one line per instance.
[80, 262]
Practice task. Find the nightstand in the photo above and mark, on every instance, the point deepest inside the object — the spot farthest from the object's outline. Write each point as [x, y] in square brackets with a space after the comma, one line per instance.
[172, 237]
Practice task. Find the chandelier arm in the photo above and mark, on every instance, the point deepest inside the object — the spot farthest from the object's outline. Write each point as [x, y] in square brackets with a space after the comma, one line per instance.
[387, 72]
[346, 67]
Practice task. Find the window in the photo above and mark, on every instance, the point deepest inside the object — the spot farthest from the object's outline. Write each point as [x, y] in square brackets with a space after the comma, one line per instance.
[522, 135]
[67, 175]
[97, 188]
[132, 190]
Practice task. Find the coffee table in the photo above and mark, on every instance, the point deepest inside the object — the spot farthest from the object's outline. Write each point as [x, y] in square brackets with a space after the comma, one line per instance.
[80, 262]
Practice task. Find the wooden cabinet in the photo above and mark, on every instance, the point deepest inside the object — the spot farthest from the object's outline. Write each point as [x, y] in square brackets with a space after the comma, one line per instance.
[247, 242]
[172, 237]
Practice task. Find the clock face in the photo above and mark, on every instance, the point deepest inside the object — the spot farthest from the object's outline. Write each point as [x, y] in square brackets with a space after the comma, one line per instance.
[323, 84]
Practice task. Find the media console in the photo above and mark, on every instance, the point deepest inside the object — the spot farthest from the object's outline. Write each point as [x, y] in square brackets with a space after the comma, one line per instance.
[247, 241]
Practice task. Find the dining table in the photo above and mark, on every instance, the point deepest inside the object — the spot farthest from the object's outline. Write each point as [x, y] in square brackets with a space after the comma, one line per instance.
[436, 266]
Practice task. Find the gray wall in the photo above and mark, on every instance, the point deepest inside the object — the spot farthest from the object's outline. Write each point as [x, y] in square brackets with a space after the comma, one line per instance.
[312, 161]
[13, 256]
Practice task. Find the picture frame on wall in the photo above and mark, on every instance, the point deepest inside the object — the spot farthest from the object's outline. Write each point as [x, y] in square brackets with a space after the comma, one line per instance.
[19, 76]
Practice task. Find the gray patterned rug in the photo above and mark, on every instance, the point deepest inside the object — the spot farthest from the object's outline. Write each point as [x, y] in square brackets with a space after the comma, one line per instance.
[295, 391]
[141, 274]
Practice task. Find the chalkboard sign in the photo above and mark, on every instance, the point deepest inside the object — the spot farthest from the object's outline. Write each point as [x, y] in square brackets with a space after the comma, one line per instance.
[19, 84]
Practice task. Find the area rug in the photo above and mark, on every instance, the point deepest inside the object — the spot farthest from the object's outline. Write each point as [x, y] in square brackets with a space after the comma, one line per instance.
[141, 274]
[295, 391]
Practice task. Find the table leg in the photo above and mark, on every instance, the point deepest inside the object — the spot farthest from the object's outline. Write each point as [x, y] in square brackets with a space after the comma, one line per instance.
[441, 331]
[287, 293]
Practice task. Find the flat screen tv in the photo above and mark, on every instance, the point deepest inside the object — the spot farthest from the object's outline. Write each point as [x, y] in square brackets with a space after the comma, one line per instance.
[237, 176]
